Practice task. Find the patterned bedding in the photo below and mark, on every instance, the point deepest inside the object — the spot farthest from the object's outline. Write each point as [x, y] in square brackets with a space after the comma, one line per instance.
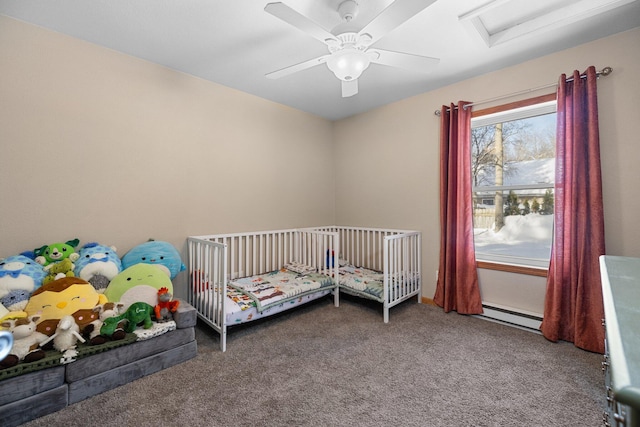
[237, 314]
[369, 283]
[251, 298]
[361, 281]
[270, 289]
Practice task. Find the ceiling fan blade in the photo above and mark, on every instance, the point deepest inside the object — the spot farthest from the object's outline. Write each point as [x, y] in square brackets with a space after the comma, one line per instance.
[292, 17]
[406, 61]
[393, 16]
[349, 88]
[297, 67]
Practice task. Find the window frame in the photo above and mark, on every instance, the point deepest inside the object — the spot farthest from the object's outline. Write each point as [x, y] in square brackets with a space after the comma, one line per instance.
[503, 265]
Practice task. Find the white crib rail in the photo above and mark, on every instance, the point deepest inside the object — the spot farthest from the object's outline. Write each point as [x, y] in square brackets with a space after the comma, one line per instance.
[258, 252]
[397, 253]
[402, 270]
[362, 246]
[208, 282]
[317, 249]
[217, 258]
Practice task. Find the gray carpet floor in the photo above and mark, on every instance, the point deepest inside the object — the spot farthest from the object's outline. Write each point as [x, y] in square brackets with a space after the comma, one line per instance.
[325, 366]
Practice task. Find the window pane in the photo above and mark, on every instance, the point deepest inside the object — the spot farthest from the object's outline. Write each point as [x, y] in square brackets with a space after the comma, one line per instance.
[513, 173]
[516, 152]
[527, 230]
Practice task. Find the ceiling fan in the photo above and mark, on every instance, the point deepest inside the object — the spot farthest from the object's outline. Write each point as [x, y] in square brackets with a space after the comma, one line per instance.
[349, 48]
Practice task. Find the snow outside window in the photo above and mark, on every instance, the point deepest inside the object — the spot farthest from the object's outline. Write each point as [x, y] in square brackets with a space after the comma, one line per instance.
[513, 166]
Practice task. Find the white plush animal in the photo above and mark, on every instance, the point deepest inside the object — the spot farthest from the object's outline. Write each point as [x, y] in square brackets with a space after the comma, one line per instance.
[26, 340]
[106, 310]
[67, 335]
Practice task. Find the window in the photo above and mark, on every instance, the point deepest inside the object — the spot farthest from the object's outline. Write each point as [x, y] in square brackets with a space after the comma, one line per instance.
[513, 171]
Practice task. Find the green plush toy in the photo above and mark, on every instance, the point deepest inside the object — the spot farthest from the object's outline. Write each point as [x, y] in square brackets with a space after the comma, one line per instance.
[138, 283]
[57, 252]
[58, 270]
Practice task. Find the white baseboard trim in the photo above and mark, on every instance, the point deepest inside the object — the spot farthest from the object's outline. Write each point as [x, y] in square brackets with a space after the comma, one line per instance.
[511, 317]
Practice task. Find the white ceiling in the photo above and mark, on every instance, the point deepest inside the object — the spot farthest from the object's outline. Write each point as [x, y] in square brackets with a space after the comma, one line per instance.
[235, 42]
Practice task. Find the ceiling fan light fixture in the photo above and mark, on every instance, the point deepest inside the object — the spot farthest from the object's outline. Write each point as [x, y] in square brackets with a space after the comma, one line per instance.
[349, 42]
[348, 64]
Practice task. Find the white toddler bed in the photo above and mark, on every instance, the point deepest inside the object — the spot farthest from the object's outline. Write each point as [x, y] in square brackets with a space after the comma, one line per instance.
[383, 265]
[259, 274]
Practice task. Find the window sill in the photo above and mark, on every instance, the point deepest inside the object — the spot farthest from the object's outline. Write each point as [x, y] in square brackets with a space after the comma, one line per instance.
[518, 269]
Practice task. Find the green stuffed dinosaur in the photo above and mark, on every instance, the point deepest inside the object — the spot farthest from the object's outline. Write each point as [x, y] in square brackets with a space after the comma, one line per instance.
[138, 312]
[58, 270]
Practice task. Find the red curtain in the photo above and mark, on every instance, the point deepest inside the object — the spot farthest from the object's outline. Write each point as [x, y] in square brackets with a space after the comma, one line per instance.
[457, 287]
[573, 309]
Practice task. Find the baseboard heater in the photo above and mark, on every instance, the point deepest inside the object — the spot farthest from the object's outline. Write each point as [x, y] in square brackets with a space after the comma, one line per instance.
[512, 317]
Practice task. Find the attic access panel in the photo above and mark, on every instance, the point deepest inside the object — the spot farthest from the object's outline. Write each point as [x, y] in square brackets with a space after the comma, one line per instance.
[499, 21]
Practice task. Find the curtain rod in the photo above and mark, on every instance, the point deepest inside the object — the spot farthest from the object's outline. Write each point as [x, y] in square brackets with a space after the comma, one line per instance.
[604, 72]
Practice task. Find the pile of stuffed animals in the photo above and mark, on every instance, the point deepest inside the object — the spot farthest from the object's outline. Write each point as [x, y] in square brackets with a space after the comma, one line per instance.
[56, 296]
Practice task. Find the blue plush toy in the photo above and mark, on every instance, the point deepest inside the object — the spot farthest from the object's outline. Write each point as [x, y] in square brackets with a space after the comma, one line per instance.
[161, 254]
[15, 300]
[19, 273]
[98, 264]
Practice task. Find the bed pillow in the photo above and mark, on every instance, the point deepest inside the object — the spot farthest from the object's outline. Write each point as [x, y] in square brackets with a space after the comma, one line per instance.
[299, 268]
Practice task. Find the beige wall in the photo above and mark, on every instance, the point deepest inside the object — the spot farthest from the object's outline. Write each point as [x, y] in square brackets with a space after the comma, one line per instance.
[105, 147]
[394, 179]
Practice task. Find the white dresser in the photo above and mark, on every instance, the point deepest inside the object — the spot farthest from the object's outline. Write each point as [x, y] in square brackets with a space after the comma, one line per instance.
[621, 296]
